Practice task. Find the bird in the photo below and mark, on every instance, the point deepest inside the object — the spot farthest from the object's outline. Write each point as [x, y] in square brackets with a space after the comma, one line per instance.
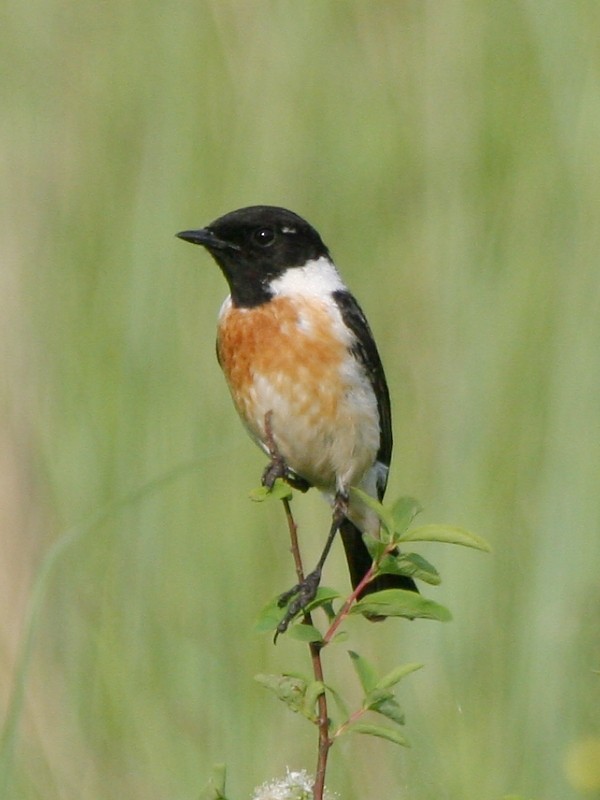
[305, 376]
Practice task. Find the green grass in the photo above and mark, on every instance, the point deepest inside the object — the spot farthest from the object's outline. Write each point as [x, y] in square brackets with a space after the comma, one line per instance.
[448, 152]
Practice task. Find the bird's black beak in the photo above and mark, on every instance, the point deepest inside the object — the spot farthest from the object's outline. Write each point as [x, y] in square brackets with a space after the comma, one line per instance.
[207, 239]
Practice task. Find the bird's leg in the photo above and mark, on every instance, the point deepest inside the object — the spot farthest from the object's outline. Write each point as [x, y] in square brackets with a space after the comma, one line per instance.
[277, 468]
[304, 592]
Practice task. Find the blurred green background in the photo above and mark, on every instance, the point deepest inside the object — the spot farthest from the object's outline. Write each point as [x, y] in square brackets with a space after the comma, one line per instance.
[449, 153]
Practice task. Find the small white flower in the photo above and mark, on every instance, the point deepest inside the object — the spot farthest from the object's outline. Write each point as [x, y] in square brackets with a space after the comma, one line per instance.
[297, 785]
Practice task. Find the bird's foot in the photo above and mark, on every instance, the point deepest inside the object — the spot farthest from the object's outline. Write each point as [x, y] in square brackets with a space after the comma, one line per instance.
[277, 468]
[297, 598]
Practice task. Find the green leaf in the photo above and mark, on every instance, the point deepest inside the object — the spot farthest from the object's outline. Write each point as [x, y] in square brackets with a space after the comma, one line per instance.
[404, 510]
[305, 633]
[396, 675]
[400, 603]
[279, 491]
[384, 514]
[339, 638]
[339, 701]
[411, 564]
[323, 597]
[290, 689]
[313, 691]
[270, 616]
[387, 705]
[365, 671]
[391, 734]
[448, 534]
[215, 789]
[375, 546]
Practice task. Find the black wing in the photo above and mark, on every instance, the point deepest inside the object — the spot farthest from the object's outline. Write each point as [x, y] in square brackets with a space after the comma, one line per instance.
[365, 350]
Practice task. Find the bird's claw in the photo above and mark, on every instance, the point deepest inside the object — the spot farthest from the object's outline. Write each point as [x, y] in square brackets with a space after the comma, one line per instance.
[277, 468]
[297, 598]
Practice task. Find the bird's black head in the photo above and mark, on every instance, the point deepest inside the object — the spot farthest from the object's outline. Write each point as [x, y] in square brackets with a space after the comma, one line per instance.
[256, 244]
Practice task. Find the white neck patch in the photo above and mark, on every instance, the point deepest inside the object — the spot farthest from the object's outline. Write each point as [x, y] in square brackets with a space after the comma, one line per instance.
[317, 278]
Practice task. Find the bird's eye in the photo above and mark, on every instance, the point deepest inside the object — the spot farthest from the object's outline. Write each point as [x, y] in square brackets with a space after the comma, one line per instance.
[264, 237]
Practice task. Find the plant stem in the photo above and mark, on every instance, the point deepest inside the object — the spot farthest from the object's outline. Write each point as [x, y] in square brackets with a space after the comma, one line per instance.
[293, 529]
[351, 599]
[343, 612]
[325, 741]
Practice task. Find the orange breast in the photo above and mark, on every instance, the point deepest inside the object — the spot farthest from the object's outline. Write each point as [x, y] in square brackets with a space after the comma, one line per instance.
[282, 357]
[288, 343]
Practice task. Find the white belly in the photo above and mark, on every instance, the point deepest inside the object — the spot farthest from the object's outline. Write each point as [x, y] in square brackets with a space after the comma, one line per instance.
[328, 437]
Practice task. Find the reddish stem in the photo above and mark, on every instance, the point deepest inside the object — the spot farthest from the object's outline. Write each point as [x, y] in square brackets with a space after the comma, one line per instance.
[349, 602]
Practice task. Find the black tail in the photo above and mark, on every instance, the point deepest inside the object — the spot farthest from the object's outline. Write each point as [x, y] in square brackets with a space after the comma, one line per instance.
[359, 562]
